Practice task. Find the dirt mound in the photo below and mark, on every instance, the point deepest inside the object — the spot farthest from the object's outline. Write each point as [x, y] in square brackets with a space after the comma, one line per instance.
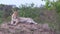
[24, 28]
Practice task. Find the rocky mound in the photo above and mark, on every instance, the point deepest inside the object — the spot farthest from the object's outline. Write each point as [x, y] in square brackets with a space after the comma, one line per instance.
[25, 28]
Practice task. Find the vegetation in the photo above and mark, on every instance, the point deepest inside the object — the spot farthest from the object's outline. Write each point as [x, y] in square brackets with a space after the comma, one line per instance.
[50, 13]
[54, 5]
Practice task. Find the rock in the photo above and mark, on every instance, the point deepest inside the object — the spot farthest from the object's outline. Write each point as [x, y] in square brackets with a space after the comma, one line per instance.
[24, 28]
[45, 26]
[4, 25]
[1, 32]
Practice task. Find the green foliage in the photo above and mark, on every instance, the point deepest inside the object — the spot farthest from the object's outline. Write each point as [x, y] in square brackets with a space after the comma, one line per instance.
[1, 20]
[29, 11]
[54, 5]
[1, 12]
